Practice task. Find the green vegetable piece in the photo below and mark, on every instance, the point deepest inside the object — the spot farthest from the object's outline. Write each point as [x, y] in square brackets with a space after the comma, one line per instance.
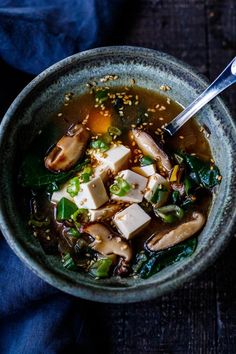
[157, 261]
[175, 197]
[121, 187]
[101, 96]
[114, 131]
[169, 213]
[73, 232]
[68, 262]
[99, 144]
[101, 268]
[187, 185]
[179, 158]
[76, 214]
[73, 187]
[38, 223]
[160, 195]
[65, 209]
[146, 160]
[140, 260]
[33, 174]
[86, 174]
[202, 172]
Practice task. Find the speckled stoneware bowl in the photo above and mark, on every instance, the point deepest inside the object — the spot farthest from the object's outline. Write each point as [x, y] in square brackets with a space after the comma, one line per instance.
[44, 95]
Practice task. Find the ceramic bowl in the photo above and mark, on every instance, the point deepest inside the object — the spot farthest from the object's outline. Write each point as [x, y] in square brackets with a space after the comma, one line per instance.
[31, 111]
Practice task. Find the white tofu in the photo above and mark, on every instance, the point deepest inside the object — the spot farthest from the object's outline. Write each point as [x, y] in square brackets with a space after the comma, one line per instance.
[131, 221]
[103, 213]
[138, 184]
[145, 171]
[91, 195]
[101, 170]
[117, 158]
[153, 183]
[62, 193]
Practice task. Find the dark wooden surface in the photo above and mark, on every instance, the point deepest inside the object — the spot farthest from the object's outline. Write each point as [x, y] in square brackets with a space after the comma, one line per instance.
[200, 317]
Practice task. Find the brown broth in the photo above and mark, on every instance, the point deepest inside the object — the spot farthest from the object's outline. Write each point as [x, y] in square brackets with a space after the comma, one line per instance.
[160, 110]
[190, 138]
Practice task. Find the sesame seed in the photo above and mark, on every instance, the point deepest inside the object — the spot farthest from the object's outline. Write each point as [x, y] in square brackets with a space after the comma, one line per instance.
[181, 137]
[59, 114]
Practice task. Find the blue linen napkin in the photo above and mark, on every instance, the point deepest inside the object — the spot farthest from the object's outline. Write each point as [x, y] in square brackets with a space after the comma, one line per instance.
[35, 318]
[34, 34]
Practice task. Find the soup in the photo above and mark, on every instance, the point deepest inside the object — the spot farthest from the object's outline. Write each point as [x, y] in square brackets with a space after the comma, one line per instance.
[109, 192]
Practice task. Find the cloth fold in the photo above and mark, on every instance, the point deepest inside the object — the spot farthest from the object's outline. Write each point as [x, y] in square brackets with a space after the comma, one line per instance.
[34, 34]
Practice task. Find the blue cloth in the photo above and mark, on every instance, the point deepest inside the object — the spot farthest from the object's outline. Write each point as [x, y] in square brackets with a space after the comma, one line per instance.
[34, 34]
[35, 318]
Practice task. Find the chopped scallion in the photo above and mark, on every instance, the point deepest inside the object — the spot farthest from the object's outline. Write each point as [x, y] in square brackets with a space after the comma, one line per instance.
[68, 262]
[121, 187]
[73, 187]
[100, 269]
[146, 160]
[100, 145]
[169, 213]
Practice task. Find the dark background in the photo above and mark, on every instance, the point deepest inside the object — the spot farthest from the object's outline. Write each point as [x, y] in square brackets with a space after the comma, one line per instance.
[200, 317]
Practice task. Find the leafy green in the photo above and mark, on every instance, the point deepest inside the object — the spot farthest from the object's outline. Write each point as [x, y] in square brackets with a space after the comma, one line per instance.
[100, 268]
[175, 197]
[160, 195]
[33, 174]
[147, 264]
[202, 172]
[65, 208]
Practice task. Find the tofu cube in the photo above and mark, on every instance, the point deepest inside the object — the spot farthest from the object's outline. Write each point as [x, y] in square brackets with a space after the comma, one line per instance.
[153, 183]
[145, 171]
[138, 184]
[91, 195]
[131, 221]
[101, 170]
[104, 213]
[117, 158]
[62, 193]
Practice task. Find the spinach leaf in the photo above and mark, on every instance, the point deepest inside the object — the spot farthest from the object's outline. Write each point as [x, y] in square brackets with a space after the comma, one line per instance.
[202, 172]
[33, 174]
[148, 264]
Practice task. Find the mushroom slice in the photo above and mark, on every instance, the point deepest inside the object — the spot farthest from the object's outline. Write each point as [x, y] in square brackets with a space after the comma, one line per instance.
[180, 233]
[107, 242]
[148, 146]
[68, 149]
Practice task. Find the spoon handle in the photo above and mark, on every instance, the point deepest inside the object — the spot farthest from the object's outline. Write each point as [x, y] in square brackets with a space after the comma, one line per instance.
[224, 80]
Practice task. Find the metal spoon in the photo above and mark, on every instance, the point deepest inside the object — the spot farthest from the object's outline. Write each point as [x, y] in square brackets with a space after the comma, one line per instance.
[224, 80]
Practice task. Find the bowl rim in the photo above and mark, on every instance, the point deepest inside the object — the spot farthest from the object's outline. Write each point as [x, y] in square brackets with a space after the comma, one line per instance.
[93, 292]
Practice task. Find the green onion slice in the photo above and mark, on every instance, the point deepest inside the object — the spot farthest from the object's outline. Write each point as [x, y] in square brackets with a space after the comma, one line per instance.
[114, 131]
[68, 262]
[101, 268]
[169, 213]
[99, 144]
[146, 160]
[73, 187]
[121, 187]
